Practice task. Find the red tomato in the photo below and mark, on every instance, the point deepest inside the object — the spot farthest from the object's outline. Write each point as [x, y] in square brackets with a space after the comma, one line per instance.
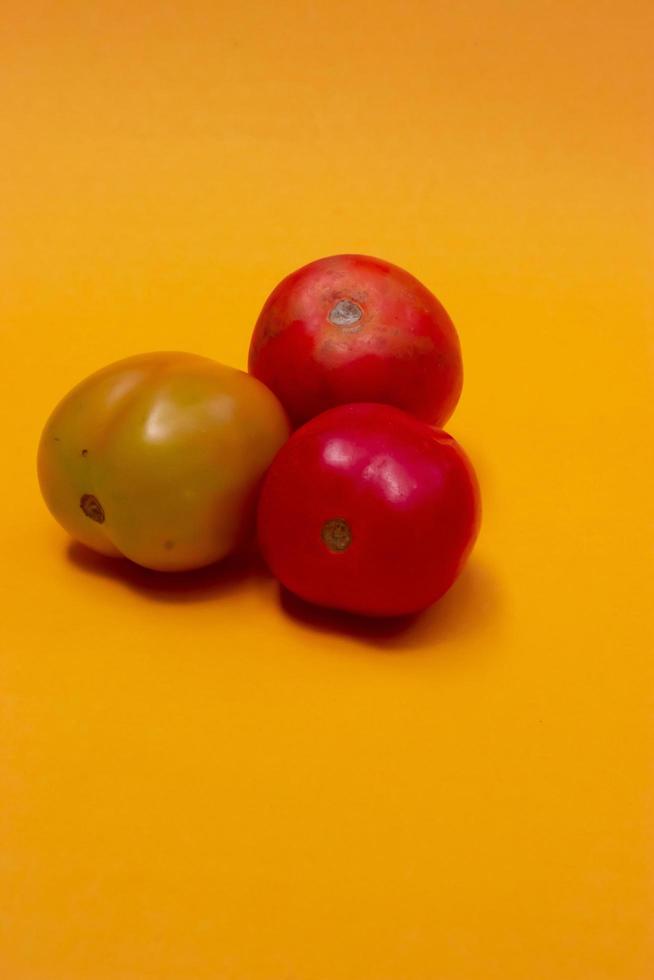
[351, 328]
[370, 510]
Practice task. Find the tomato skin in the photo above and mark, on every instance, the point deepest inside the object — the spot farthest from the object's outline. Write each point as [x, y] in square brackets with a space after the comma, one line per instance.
[392, 342]
[369, 510]
[159, 458]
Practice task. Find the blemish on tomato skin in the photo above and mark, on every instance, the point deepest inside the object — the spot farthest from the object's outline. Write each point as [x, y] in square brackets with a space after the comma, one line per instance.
[84, 452]
[168, 545]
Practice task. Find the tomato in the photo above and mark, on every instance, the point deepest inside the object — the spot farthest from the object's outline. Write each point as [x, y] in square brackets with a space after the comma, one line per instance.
[369, 510]
[351, 328]
[159, 457]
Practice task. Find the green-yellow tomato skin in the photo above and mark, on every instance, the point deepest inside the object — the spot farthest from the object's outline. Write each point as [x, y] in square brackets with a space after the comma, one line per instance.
[159, 457]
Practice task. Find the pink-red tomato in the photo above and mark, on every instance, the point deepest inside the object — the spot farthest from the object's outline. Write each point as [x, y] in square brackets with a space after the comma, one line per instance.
[352, 328]
[369, 510]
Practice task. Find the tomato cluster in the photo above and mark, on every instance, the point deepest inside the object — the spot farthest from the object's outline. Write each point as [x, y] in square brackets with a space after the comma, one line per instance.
[171, 460]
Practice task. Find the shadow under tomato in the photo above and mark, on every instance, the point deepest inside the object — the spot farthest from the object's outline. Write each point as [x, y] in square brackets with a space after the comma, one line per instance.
[471, 605]
[199, 585]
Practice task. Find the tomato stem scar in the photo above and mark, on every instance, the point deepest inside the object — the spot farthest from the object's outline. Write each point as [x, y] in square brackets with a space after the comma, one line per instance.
[345, 313]
[92, 508]
[336, 534]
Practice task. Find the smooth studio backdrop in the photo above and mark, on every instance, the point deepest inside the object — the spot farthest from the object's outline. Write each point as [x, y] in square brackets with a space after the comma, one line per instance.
[200, 780]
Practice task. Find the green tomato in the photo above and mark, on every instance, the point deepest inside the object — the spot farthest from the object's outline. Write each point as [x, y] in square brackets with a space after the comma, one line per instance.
[159, 458]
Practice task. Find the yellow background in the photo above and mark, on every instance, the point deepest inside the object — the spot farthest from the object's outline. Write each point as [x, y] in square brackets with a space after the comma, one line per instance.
[196, 781]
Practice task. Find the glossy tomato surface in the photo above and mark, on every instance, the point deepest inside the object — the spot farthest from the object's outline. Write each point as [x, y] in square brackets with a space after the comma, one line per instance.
[352, 328]
[369, 510]
[159, 457]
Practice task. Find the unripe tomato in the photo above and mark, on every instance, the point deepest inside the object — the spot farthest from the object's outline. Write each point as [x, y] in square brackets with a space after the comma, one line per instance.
[369, 510]
[351, 328]
[159, 457]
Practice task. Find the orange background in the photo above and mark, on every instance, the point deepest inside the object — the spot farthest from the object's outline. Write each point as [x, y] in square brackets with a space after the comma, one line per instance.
[196, 780]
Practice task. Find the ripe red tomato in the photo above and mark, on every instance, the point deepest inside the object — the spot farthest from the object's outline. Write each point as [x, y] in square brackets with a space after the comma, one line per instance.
[369, 510]
[351, 328]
